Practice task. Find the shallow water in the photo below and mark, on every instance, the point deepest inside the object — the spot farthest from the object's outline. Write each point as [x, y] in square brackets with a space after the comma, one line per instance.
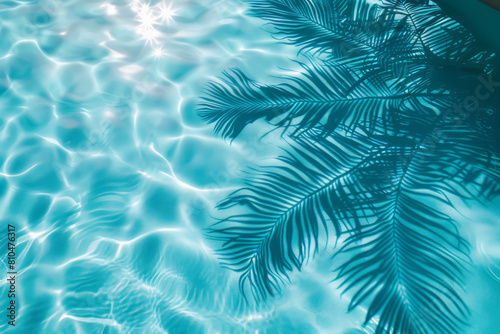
[110, 176]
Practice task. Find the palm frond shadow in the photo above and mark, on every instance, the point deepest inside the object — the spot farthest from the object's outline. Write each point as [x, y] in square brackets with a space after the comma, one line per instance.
[375, 151]
[287, 207]
[408, 262]
[323, 96]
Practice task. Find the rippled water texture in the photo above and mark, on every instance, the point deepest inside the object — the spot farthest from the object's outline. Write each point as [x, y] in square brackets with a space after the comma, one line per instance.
[111, 177]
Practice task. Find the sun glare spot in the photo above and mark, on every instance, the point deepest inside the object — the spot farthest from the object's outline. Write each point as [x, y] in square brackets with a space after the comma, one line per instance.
[166, 13]
[151, 18]
[158, 52]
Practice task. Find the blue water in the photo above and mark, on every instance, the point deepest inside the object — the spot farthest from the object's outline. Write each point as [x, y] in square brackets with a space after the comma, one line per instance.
[111, 177]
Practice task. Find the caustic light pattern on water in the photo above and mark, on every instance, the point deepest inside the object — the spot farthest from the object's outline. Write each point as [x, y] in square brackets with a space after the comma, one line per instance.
[261, 166]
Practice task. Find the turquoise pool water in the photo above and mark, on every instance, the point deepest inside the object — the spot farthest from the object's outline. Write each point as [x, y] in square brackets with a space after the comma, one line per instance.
[111, 177]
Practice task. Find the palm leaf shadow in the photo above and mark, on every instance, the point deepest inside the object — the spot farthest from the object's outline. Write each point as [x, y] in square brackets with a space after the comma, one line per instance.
[287, 207]
[321, 97]
[407, 264]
